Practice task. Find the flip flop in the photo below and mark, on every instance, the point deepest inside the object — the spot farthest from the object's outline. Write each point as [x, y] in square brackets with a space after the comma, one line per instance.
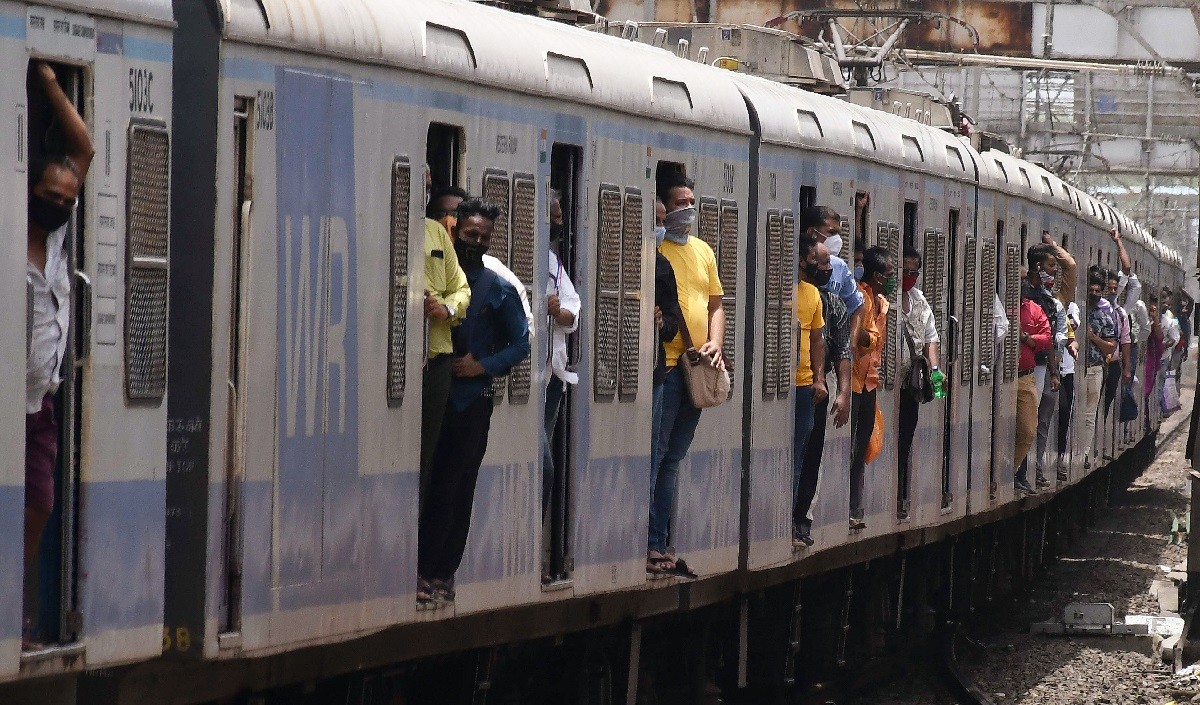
[658, 564]
[682, 570]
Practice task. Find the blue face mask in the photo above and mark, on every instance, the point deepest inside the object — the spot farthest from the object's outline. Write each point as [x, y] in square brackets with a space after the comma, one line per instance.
[679, 224]
[858, 273]
[660, 234]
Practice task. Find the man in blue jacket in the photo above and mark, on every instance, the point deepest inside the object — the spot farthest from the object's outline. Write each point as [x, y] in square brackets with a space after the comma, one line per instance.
[491, 340]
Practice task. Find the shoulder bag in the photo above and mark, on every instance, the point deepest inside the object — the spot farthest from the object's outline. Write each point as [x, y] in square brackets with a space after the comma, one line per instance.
[708, 386]
[917, 384]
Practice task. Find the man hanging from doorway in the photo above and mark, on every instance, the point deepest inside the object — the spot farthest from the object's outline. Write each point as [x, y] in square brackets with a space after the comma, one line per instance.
[918, 328]
[55, 182]
[491, 340]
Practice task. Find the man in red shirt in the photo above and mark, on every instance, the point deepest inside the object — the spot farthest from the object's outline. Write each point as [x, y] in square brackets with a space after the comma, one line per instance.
[1035, 337]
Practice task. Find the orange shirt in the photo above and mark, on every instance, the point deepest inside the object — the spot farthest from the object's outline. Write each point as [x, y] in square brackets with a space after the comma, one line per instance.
[865, 374]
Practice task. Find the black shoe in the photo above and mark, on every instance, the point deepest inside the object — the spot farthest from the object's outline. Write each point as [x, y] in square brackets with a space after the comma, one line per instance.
[1042, 482]
[1062, 476]
[1023, 488]
[857, 524]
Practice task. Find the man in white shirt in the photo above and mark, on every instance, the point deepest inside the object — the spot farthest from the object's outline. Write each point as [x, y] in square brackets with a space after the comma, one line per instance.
[54, 185]
[562, 306]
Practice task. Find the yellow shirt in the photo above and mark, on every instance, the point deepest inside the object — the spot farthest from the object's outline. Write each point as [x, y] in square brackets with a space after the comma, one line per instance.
[808, 318]
[696, 278]
[446, 282]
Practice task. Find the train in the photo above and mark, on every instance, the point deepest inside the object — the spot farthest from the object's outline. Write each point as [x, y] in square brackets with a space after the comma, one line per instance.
[241, 407]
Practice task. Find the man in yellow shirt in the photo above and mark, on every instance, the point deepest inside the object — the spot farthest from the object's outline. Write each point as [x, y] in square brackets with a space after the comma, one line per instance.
[810, 355]
[700, 294]
[878, 283]
[447, 295]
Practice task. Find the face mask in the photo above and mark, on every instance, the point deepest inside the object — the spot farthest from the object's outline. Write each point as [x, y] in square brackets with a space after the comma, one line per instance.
[821, 278]
[889, 285]
[858, 272]
[679, 224]
[1093, 299]
[48, 215]
[660, 234]
[834, 243]
[557, 232]
[1047, 278]
[909, 282]
[470, 255]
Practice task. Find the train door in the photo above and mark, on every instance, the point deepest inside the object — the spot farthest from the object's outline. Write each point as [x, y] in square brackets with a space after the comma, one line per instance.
[1002, 448]
[564, 216]
[51, 613]
[230, 615]
[950, 354]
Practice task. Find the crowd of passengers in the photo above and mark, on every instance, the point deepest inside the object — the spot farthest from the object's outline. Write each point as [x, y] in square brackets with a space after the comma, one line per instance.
[841, 316]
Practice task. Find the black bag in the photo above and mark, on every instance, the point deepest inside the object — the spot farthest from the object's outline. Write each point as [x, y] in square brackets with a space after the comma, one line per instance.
[1129, 409]
[917, 383]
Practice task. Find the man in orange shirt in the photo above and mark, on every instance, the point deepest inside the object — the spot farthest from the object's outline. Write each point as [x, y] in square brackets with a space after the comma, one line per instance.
[878, 282]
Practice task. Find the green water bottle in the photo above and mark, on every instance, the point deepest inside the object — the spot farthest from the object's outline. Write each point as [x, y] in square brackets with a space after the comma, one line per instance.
[939, 383]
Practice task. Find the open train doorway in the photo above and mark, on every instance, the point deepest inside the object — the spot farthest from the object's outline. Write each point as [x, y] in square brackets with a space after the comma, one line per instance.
[954, 314]
[563, 202]
[51, 604]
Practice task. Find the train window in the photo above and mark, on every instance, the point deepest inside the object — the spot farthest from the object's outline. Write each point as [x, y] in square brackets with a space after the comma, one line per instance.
[523, 234]
[497, 190]
[631, 288]
[971, 304]
[810, 125]
[910, 227]
[708, 223]
[892, 243]
[398, 311]
[444, 155]
[862, 216]
[727, 270]
[1046, 185]
[146, 278]
[774, 321]
[808, 197]
[787, 250]
[1025, 176]
[912, 148]
[1024, 237]
[1066, 193]
[608, 292]
[862, 135]
[954, 159]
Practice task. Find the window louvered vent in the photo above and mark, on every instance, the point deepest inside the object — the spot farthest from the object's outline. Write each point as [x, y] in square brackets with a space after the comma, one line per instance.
[523, 227]
[1012, 303]
[148, 211]
[398, 311]
[971, 309]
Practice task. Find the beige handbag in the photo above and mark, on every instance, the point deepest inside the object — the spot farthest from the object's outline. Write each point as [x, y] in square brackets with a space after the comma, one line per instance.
[708, 386]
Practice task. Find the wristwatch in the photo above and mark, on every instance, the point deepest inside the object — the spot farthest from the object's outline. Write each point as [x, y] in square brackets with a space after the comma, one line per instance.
[449, 311]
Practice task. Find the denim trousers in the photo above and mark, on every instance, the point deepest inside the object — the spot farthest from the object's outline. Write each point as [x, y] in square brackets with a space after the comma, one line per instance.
[677, 427]
[800, 435]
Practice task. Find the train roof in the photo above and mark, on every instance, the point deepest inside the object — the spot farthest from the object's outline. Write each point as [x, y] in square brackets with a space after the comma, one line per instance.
[794, 117]
[489, 46]
[146, 11]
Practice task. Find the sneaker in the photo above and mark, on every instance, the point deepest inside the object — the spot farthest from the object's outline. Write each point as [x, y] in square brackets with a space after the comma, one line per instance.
[800, 538]
[857, 524]
[901, 514]
[1023, 488]
[1062, 476]
[1042, 482]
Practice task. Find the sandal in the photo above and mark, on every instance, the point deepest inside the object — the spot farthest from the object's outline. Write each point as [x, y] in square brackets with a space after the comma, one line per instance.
[442, 590]
[426, 595]
[682, 570]
[658, 564]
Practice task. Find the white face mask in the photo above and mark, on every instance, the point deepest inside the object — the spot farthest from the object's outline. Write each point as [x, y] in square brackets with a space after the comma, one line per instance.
[660, 234]
[834, 243]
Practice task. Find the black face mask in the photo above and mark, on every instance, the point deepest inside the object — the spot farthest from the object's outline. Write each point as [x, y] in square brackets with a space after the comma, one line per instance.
[47, 214]
[820, 278]
[470, 255]
[557, 232]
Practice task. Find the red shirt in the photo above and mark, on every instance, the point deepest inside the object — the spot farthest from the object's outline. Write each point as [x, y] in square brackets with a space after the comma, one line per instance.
[1035, 323]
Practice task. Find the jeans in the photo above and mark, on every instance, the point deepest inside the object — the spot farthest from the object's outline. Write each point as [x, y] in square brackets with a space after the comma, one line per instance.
[1066, 400]
[810, 475]
[1094, 379]
[435, 390]
[554, 395]
[862, 425]
[677, 427]
[800, 435]
[910, 413]
[1046, 407]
